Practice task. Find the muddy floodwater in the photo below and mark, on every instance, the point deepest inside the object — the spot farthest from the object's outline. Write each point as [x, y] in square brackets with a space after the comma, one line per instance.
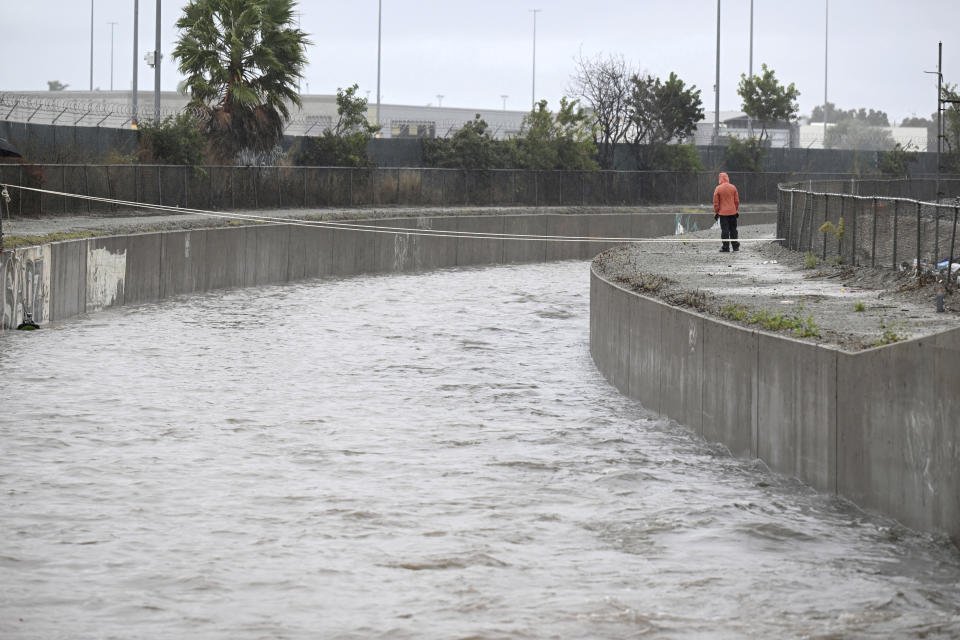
[408, 456]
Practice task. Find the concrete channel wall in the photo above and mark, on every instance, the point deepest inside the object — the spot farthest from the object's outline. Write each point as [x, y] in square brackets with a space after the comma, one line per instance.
[57, 281]
[880, 427]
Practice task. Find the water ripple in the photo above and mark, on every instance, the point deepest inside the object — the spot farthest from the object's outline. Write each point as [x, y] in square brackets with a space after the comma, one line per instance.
[407, 456]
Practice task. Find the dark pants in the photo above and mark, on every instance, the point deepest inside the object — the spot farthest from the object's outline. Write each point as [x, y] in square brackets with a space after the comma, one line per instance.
[728, 230]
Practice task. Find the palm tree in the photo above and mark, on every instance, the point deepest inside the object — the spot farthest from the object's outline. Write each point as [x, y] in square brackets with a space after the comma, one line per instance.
[242, 60]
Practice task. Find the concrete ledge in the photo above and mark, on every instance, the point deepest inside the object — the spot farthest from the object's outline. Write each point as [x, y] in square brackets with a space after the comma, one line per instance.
[880, 427]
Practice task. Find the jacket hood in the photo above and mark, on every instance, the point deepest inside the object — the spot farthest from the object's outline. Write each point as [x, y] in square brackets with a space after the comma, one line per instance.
[724, 178]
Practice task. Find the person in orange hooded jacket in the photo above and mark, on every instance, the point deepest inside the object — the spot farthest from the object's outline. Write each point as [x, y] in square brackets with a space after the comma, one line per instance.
[726, 208]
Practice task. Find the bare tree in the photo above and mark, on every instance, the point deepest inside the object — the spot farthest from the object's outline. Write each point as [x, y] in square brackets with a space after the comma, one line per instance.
[603, 84]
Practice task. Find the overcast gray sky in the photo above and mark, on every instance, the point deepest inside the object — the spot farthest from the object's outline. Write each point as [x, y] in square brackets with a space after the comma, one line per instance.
[474, 52]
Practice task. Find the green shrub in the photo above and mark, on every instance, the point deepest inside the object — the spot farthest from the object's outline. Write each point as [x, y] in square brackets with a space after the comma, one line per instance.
[174, 140]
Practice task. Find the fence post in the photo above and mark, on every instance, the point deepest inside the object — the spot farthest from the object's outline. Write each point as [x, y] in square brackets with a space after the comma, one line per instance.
[807, 202]
[159, 186]
[110, 194]
[560, 174]
[786, 236]
[303, 170]
[351, 186]
[233, 200]
[919, 261]
[936, 232]
[86, 185]
[186, 188]
[843, 206]
[896, 216]
[826, 217]
[953, 242]
[873, 243]
[853, 236]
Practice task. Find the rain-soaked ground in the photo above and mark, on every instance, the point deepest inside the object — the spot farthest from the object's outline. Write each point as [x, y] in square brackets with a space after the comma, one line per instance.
[849, 308]
[407, 456]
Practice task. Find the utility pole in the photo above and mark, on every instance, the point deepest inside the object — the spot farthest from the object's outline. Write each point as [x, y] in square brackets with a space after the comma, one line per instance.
[91, 45]
[533, 92]
[750, 67]
[136, 32]
[504, 98]
[826, 33]
[112, 25]
[716, 87]
[939, 114]
[156, 70]
[379, 31]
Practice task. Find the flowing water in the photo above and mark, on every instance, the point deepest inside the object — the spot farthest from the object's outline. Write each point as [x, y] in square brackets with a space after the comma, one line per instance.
[407, 456]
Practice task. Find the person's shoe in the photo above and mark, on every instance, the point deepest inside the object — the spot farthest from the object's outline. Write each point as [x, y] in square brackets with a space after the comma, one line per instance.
[724, 250]
[736, 248]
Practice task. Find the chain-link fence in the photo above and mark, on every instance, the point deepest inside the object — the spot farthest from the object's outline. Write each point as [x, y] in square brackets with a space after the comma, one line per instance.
[880, 223]
[229, 188]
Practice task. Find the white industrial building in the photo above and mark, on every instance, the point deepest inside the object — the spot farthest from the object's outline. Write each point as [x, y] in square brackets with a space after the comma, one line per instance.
[114, 109]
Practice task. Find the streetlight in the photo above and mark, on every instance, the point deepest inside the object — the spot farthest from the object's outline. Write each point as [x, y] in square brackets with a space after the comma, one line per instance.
[750, 69]
[826, 31]
[533, 92]
[716, 87]
[157, 57]
[112, 25]
[379, 31]
[136, 30]
[439, 99]
[504, 98]
[91, 45]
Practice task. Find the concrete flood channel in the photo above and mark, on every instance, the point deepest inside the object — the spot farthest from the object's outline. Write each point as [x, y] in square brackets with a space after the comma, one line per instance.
[879, 427]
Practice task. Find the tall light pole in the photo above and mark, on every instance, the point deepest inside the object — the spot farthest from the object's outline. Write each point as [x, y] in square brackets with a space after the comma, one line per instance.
[439, 99]
[504, 97]
[826, 33]
[379, 31]
[157, 56]
[136, 32]
[533, 93]
[112, 25]
[750, 67]
[716, 87]
[91, 45]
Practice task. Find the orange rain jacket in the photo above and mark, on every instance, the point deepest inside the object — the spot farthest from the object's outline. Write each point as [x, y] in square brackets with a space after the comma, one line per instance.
[726, 199]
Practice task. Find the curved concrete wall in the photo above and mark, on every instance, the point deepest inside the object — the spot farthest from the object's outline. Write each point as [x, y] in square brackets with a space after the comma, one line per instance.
[880, 427]
[56, 281]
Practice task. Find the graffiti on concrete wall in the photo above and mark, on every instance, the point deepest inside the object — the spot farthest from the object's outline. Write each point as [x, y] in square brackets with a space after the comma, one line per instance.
[684, 224]
[105, 276]
[25, 277]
